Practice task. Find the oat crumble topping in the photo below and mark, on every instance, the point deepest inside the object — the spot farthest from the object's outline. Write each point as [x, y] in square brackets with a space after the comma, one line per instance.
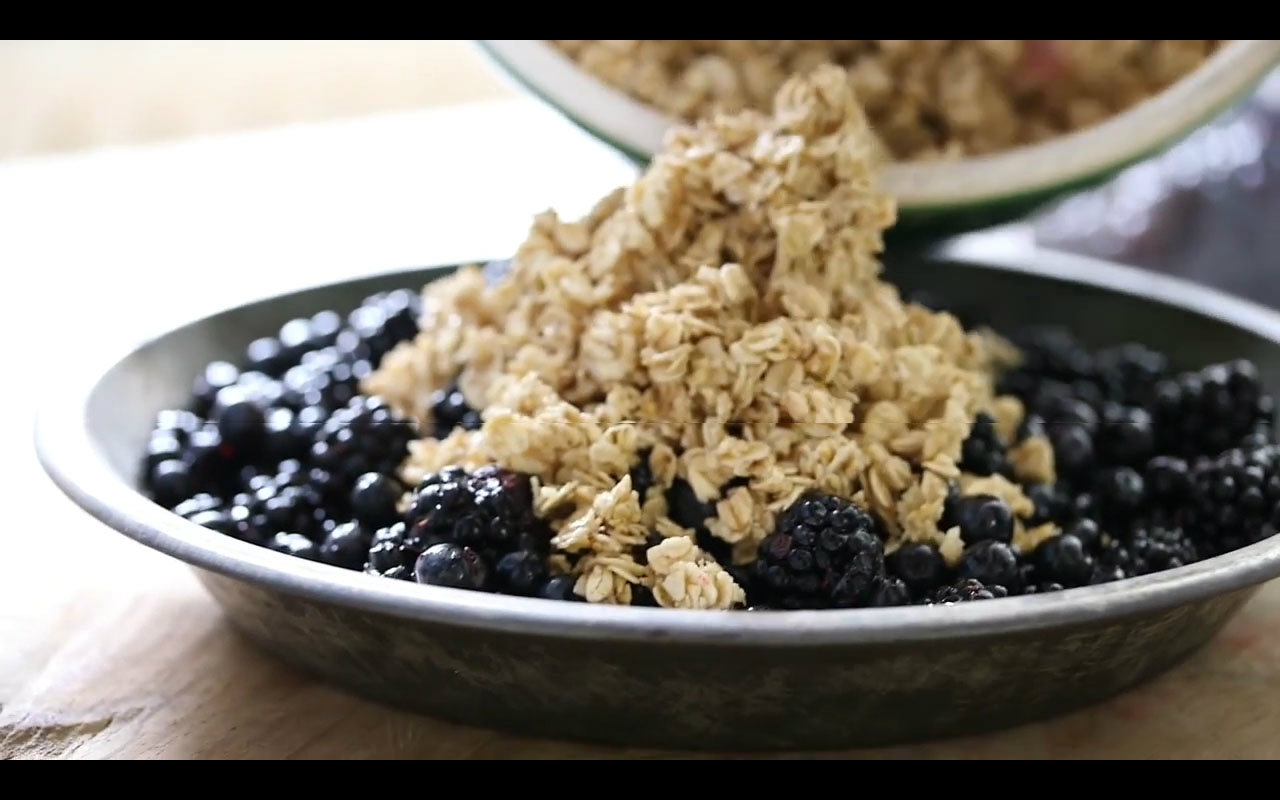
[724, 320]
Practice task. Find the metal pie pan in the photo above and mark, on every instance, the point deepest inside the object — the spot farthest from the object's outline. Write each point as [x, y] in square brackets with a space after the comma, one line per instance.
[657, 677]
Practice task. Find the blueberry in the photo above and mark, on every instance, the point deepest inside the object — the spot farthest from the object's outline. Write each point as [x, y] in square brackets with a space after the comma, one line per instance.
[345, 546]
[1051, 505]
[521, 572]
[920, 566]
[1168, 478]
[448, 564]
[1072, 449]
[1063, 560]
[984, 517]
[324, 327]
[241, 423]
[1121, 490]
[1085, 530]
[181, 424]
[162, 446]
[559, 588]
[1127, 434]
[266, 355]
[990, 562]
[374, 498]
[194, 505]
[170, 483]
[216, 376]
[293, 339]
[294, 544]
[215, 520]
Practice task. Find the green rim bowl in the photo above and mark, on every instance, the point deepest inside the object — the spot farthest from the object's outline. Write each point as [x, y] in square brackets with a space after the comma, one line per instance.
[953, 195]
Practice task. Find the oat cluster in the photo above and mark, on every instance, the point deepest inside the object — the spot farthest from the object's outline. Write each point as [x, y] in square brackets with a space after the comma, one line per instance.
[939, 98]
[723, 320]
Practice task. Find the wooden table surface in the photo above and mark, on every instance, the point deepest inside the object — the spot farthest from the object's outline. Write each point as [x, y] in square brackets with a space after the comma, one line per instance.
[111, 650]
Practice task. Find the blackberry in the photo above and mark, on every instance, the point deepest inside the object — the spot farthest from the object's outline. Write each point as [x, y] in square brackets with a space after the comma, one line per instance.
[983, 517]
[278, 508]
[1054, 362]
[449, 410]
[984, 452]
[1153, 547]
[559, 588]
[489, 510]
[967, 590]
[823, 553]
[1130, 372]
[990, 562]
[1043, 588]
[1103, 573]
[345, 546]
[452, 565]
[1234, 500]
[1063, 560]
[521, 572]
[294, 544]
[919, 566]
[1167, 480]
[364, 436]
[373, 500]
[387, 555]
[1113, 558]
[1205, 412]
[890, 592]
[1052, 352]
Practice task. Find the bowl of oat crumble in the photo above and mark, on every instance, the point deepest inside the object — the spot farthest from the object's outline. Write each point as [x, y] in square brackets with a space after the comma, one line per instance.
[711, 461]
[974, 131]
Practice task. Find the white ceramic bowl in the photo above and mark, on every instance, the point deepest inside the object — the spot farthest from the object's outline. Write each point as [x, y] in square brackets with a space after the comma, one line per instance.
[959, 194]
